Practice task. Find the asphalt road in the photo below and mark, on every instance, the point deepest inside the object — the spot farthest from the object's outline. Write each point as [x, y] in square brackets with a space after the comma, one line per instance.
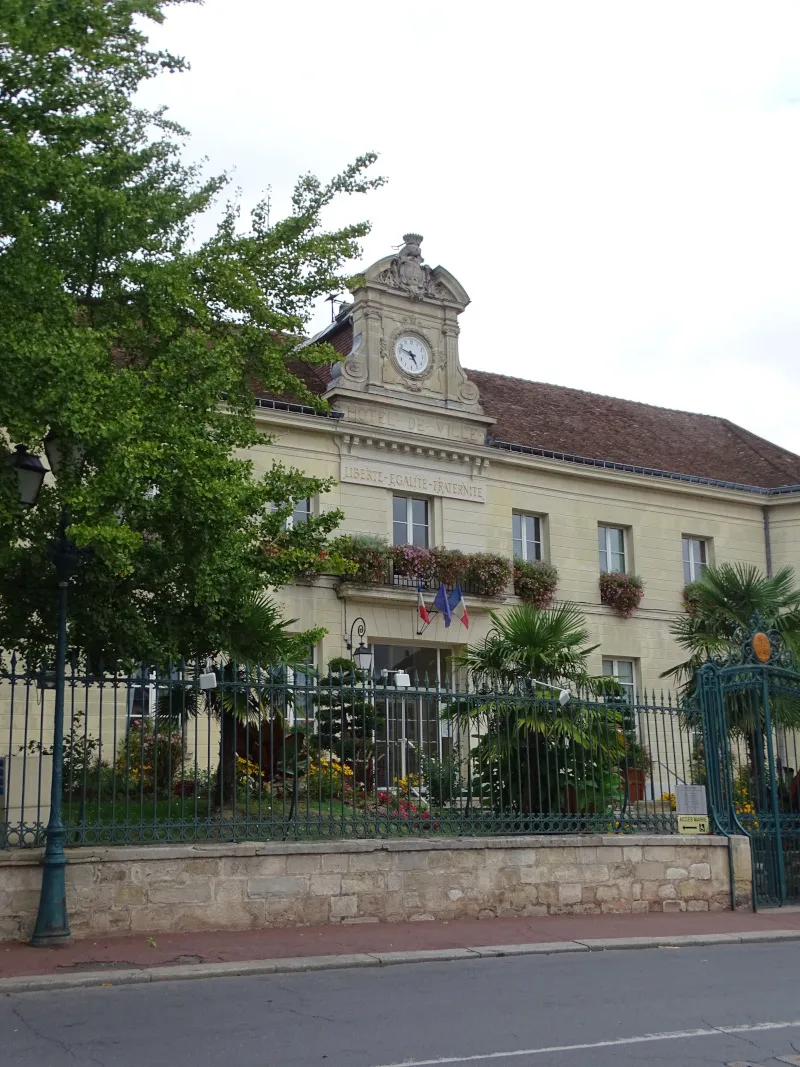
[581, 1010]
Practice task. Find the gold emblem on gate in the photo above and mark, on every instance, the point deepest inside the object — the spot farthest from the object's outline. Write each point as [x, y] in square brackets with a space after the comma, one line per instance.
[761, 647]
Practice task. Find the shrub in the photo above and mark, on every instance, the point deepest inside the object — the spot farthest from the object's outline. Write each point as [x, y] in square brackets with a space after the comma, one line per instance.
[621, 592]
[409, 561]
[535, 582]
[489, 575]
[450, 565]
[442, 778]
[369, 556]
[148, 761]
[328, 778]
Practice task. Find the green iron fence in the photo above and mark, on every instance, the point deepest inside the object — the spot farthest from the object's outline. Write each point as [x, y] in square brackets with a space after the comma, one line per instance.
[750, 703]
[187, 753]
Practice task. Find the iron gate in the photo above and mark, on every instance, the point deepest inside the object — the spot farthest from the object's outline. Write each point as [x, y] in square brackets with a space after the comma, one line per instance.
[750, 705]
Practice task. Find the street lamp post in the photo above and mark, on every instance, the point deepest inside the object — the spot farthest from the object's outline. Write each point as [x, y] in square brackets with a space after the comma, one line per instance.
[52, 923]
[362, 656]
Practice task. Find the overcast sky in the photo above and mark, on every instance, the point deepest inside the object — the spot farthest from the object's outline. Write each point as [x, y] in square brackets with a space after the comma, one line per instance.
[616, 185]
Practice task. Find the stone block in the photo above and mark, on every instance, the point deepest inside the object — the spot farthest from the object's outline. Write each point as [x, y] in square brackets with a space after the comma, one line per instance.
[659, 853]
[632, 853]
[674, 905]
[697, 905]
[667, 892]
[650, 890]
[372, 861]
[639, 907]
[648, 871]
[676, 874]
[226, 889]
[535, 875]
[700, 870]
[368, 882]
[691, 890]
[409, 861]
[570, 893]
[206, 868]
[334, 863]
[129, 895]
[610, 854]
[589, 855]
[636, 890]
[607, 892]
[325, 885]
[548, 894]
[616, 907]
[252, 866]
[172, 893]
[303, 864]
[344, 907]
[286, 886]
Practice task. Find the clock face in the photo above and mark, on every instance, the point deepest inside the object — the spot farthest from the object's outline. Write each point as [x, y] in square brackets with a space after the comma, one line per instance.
[411, 354]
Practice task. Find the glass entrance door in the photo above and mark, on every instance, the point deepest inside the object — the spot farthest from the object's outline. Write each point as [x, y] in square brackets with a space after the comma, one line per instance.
[409, 728]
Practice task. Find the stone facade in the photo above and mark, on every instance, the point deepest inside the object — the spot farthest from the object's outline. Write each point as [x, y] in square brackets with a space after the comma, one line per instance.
[242, 886]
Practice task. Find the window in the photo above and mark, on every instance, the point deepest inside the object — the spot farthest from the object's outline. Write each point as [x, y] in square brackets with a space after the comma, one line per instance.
[527, 533]
[694, 558]
[301, 512]
[611, 542]
[623, 671]
[410, 525]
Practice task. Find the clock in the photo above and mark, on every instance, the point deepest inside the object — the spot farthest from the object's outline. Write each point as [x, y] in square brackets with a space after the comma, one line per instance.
[412, 354]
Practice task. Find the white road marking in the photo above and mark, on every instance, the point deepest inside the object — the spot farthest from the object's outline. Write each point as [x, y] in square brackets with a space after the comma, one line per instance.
[669, 1035]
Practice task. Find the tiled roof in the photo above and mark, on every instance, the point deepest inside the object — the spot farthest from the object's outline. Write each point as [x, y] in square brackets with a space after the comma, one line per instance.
[571, 422]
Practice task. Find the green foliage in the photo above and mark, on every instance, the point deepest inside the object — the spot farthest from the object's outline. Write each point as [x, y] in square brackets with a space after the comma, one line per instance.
[123, 334]
[442, 778]
[368, 557]
[345, 713]
[488, 574]
[149, 757]
[621, 592]
[535, 582]
[723, 601]
[527, 643]
[532, 755]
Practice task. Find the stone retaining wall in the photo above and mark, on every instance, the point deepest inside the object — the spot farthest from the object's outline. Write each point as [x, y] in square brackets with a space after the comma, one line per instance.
[238, 886]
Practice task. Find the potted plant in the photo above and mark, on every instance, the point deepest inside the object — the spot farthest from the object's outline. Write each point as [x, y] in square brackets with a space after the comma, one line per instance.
[535, 582]
[621, 592]
[488, 574]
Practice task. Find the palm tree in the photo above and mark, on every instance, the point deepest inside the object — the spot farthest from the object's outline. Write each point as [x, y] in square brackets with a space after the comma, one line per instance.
[719, 608]
[548, 644]
[532, 754]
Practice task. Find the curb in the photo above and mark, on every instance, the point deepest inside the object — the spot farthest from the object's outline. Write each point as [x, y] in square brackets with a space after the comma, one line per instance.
[295, 964]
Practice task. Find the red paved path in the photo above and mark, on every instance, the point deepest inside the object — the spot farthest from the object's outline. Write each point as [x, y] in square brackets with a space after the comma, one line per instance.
[221, 946]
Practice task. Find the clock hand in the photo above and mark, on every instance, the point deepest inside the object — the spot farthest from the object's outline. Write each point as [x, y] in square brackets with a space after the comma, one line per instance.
[408, 352]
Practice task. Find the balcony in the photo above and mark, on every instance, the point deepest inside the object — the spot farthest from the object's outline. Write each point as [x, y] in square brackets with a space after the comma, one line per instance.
[394, 573]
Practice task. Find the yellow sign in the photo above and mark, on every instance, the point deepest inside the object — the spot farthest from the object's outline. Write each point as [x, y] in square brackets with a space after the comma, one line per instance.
[761, 647]
[693, 824]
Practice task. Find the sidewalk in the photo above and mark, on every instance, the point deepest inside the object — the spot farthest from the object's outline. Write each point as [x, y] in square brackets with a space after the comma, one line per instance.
[143, 958]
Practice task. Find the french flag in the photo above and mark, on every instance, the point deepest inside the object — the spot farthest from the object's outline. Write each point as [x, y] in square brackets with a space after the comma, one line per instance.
[457, 606]
[423, 611]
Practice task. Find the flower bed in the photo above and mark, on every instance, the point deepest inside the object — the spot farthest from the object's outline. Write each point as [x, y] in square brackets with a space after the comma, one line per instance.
[621, 592]
[535, 582]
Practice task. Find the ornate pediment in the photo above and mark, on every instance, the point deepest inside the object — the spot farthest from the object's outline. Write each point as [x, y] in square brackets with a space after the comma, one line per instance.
[408, 274]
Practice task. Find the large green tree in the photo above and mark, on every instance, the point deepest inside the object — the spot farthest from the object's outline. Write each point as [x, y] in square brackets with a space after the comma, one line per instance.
[143, 346]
